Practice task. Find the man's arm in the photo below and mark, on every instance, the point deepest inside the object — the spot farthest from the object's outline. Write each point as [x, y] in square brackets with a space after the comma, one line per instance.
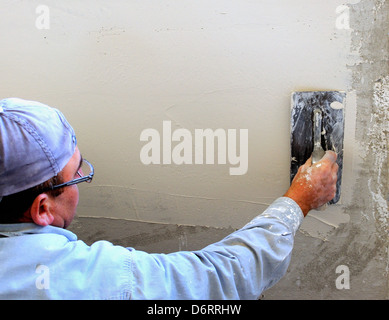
[240, 266]
[247, 261]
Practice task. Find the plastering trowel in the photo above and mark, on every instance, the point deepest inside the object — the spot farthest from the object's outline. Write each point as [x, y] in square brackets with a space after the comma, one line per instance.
[317, 125]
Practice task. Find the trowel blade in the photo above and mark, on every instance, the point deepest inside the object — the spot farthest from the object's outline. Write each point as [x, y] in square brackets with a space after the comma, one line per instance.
[303, 103]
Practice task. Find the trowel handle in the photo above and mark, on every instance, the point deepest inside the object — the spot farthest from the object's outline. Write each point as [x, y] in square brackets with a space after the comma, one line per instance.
[318, 151]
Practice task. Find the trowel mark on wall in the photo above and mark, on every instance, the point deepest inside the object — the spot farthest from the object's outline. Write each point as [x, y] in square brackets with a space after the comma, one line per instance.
[167, 207]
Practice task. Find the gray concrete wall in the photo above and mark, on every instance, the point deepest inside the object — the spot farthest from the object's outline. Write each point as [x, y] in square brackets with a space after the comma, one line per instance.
[117, 68]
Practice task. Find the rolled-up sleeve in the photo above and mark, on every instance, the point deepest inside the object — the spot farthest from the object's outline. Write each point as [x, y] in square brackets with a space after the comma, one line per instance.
[241, 266]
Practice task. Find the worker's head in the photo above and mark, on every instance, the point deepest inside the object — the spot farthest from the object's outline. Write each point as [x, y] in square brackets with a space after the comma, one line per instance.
[40, 165]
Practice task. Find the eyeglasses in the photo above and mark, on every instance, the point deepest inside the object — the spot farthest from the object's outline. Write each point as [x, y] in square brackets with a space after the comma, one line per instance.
[85, 175]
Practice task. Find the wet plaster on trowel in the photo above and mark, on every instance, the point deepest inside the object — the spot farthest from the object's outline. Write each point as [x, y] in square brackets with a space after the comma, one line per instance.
[321, 223]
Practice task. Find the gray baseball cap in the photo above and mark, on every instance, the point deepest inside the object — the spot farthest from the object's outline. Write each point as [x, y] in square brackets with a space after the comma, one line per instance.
[36, 142]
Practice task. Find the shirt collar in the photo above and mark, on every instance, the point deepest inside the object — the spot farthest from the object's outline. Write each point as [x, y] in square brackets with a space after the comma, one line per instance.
[21, 229]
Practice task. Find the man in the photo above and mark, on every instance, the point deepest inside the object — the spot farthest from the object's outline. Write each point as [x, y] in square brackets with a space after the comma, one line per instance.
[40, 167]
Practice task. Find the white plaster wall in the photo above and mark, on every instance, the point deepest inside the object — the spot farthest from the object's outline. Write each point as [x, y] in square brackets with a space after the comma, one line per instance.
[118, 67]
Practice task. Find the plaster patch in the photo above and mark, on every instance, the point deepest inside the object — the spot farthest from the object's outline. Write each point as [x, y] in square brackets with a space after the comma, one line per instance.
[320, 224]
[377, 146]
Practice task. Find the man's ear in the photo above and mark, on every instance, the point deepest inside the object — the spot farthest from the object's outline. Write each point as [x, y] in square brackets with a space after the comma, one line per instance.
[41, 210]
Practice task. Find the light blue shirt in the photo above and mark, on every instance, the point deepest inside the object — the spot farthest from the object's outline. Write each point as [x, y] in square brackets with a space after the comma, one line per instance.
[50, 263]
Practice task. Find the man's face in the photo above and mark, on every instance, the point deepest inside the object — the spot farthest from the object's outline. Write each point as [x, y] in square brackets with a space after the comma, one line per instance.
[65, 205]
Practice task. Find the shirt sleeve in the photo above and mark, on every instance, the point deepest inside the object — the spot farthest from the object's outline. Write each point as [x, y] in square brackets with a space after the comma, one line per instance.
[241, 266]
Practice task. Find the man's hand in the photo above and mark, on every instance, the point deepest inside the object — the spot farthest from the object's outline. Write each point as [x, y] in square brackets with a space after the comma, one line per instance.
[315, 185]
